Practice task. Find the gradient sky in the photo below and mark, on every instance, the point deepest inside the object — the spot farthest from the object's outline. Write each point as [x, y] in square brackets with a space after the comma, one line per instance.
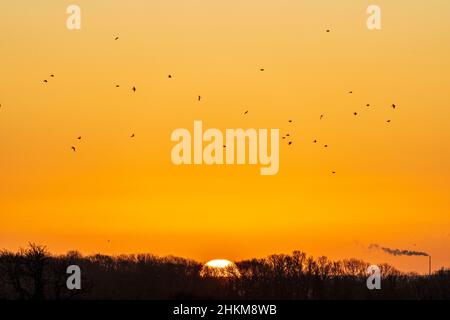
[392, 181]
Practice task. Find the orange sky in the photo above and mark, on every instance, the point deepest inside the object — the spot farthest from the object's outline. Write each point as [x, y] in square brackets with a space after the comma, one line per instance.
[392, 180]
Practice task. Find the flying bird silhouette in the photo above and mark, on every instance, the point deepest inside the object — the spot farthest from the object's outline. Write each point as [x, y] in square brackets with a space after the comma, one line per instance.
[393, 106]
[45, 81]
[368, 105]
[199, 98]
[73, 148]
[52, 75]
[388, 121]
[326, 146]
[170, 76]
[261, 69]
[315, 141]
[290, 142]
[321, 116]
[79, 138]
[289, 121]
[245, 112]
[355, 113]
[132, 136]
[117, 38]
[134, 89]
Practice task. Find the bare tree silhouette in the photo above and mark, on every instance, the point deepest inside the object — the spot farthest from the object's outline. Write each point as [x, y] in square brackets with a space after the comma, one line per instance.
[33, 273]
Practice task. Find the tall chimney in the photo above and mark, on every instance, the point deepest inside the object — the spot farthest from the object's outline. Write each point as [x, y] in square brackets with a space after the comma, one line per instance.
[429, 265]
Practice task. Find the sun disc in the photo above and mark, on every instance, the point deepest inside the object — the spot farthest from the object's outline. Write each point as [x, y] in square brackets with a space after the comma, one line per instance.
[219, 263]
[220, 268]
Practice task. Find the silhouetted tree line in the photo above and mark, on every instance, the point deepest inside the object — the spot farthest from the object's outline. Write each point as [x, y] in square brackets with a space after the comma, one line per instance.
[33, 273]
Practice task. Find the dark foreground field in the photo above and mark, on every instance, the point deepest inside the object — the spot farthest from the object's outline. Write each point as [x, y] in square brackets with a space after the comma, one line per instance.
[34, 273]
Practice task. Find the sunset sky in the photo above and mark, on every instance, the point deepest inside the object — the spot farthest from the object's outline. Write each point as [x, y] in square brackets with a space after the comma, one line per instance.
[392, 181]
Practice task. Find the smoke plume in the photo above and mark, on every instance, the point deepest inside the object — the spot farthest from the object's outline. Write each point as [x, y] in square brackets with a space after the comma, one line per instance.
[398, 252]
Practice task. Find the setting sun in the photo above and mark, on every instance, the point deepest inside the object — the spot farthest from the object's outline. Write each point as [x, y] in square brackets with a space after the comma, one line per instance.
[219, 263]
[220, 268]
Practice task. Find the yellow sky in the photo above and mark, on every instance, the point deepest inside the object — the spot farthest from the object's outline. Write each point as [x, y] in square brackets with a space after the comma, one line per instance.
[392, 180]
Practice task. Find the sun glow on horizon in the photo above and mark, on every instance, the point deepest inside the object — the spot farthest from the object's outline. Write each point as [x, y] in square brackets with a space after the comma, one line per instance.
[219, 263]
[220, 268]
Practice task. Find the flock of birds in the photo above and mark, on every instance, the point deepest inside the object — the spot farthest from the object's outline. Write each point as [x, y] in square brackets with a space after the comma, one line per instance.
[287, 136]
